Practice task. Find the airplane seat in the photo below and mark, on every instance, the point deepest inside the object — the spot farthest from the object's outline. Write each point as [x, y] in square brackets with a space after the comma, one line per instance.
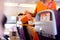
[46, 23]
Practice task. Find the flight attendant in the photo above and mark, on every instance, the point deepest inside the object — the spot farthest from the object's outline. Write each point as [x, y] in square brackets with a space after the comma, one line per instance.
[44, 5]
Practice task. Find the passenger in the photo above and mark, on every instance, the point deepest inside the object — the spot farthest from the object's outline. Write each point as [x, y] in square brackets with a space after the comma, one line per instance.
[20, 27]
[3, 20]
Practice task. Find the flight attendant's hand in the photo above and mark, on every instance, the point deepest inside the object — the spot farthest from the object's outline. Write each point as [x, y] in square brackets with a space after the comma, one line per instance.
[28, 14]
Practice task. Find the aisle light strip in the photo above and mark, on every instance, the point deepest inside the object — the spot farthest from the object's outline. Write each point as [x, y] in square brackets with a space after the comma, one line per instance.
[27, 5]
[20, 5]
[10, 4]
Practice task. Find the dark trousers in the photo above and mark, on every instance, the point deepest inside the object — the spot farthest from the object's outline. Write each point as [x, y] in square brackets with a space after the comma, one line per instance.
[26, 32]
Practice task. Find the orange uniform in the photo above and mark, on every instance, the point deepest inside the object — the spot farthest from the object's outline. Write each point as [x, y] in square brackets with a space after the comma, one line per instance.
[41, 6]
[35, 36]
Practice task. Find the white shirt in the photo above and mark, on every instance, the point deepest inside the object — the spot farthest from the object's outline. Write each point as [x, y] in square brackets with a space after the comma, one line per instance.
[19, 24]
